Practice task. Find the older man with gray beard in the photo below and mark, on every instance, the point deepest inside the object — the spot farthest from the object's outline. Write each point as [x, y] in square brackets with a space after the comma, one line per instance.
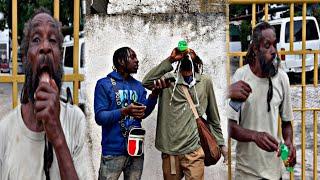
[42, 138]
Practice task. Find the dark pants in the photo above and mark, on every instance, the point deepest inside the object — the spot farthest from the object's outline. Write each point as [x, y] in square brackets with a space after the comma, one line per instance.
[112, 166]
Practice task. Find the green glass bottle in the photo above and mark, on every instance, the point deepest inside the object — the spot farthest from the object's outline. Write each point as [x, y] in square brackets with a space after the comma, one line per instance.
[284, 154]
[182, 45]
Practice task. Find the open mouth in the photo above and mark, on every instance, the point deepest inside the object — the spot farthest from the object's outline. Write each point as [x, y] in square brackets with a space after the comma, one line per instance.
[44, 73]
[44, 69]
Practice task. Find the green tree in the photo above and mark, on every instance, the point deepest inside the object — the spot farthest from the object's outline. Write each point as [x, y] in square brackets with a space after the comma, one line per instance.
[27, 7]
[245, 28]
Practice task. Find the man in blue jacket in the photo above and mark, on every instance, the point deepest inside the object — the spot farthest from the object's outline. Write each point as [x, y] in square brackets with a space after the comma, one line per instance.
[116, 110]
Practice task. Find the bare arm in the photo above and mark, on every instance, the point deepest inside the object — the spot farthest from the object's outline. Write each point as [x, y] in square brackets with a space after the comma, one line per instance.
[262, 139]
[66, 166]
[47, 107]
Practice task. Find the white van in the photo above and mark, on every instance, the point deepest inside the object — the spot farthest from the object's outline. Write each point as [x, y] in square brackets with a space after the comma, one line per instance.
[293, 63]
[68, 69]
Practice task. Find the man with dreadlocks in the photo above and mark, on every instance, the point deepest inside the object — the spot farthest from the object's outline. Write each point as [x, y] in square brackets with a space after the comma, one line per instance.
[119, 105]
[42, 138]
[264, 91]
[177, 134]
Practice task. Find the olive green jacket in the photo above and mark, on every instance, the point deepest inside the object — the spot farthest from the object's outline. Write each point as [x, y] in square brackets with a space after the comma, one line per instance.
[177, 131]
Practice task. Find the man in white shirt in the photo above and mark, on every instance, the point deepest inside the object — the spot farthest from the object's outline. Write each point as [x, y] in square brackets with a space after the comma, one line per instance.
[260, 93]
[42, 138]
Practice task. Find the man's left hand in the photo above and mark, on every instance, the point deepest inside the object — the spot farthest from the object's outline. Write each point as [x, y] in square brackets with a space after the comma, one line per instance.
[224, 151]
[292, 156]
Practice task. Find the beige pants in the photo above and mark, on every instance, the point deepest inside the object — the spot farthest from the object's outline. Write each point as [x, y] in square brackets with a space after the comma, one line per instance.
[189, 165]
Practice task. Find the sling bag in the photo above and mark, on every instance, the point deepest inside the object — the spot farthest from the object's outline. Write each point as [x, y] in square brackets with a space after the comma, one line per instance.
[211, 149]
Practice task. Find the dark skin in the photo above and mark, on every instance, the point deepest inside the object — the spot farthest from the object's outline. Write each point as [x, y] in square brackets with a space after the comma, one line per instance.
[161, 83]
[125, 69]
[44, 114]
[241, 90]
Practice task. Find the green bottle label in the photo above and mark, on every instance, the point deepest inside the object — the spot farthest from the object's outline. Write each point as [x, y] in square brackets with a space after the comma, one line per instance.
[284, 152]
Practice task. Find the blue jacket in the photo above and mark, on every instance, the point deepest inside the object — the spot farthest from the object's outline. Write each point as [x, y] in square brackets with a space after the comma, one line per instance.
[107, 112]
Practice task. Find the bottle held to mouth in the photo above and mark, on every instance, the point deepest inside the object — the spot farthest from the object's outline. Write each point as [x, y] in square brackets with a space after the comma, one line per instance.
[182, 45]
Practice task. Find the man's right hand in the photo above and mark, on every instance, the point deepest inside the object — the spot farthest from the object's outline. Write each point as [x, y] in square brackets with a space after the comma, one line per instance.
[239, 91]
[177, 55]
[265, 141]
[159, 85]
[134, 111]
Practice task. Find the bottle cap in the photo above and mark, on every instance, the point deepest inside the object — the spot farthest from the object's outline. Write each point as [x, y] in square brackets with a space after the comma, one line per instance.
[182, 45]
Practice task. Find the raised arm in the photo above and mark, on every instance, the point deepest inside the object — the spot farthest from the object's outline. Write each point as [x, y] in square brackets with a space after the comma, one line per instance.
[163, 68]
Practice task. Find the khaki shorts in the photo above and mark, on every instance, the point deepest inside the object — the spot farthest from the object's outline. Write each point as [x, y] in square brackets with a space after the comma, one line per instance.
[190, 165]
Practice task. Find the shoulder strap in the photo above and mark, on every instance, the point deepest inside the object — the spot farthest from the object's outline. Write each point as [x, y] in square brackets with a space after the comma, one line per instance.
[123, 128]
[192, 106]
[116, 91]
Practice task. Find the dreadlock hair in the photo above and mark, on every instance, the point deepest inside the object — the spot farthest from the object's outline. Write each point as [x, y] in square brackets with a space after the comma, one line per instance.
[25, 46]
[256, 39]
[121, 54]
[251, 56]
[197, 64]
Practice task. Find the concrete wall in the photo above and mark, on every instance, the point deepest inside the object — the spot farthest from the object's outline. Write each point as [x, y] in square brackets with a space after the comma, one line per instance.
[155, 6]
[153, 36]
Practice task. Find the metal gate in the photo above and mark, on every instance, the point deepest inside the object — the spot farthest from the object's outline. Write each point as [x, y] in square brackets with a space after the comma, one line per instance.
[14, 78]
[303, 52]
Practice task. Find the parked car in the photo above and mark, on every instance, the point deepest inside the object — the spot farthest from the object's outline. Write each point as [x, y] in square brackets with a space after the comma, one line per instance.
[4, 66]
[67, 87]
[293, 63]
[20, 68]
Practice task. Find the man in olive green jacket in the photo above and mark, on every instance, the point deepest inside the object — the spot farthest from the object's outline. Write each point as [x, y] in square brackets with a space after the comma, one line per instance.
[177, 134]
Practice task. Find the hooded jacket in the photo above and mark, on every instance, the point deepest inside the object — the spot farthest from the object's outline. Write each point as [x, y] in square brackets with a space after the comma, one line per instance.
[108, 114]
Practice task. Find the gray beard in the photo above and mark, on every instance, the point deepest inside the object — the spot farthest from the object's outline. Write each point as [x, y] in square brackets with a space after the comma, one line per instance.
[32, 78]
[270, 69]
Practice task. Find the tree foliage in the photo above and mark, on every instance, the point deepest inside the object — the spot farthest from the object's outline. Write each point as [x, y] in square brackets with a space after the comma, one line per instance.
[27, 7]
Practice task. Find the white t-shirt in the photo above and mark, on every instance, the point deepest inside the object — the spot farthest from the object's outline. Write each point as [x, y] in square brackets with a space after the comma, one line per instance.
[253, 162]
[21, 150]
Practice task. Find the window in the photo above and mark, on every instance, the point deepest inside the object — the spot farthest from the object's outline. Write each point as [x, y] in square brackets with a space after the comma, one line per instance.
[234, 33]
[311, 34]
[277, 28]
[68, 59]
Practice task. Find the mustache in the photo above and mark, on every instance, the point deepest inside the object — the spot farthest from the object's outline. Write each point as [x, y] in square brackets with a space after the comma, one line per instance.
[269, 68]
[45, 65]
[32, 78]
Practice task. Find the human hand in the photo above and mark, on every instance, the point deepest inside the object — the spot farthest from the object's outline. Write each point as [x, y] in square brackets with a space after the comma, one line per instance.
[239, 91]
[47, 109]
[192, 54]
[177, 55]
[265, 141]
[160, 84]
[224, 151]
[292, 153]
[135, 111]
